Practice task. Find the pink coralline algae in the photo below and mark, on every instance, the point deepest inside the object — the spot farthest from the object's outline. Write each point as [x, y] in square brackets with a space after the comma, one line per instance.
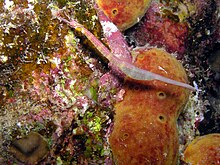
[156, 30]
[109, 89]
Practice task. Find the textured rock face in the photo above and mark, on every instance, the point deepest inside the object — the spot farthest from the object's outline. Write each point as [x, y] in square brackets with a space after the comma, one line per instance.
[156, 30]
[145, 122]
[204, 150]
[124, 13]
[30, 149]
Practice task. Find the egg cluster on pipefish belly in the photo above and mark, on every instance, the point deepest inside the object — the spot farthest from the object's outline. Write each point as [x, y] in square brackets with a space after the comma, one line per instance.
[145, 129]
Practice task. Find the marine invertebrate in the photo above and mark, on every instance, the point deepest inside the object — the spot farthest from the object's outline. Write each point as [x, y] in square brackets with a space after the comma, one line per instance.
[145, 121]
[203, 150]
[124, 13]
[121, 65]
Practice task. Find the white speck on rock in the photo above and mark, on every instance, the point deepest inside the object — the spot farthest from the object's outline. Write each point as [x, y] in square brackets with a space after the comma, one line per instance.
[32, 1]
[3, 58]
[165, 154]
[8, 4]
[19, 124]
[56, 61]
[8, 26]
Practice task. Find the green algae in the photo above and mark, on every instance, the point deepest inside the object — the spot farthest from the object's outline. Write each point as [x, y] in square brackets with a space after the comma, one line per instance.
[177, 10]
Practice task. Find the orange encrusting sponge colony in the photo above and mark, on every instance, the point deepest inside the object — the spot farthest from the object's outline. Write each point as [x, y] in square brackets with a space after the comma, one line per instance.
[145, 129]
[204, 150]
[124, 13]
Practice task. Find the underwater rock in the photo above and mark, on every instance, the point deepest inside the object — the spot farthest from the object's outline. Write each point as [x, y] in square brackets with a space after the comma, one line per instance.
[30, 149]
[204, 150]
[156, 30]
[204, 29]
[145, 130]
[214, 62]
[202, 51]
[124, 13]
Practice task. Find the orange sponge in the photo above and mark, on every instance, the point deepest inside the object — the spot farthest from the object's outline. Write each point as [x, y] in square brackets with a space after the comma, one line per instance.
[124, 13]
[145, 121]
[204, 150]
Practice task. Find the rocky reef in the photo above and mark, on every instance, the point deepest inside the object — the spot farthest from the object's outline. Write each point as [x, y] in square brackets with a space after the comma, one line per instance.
[50, 84]
[58, 93]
